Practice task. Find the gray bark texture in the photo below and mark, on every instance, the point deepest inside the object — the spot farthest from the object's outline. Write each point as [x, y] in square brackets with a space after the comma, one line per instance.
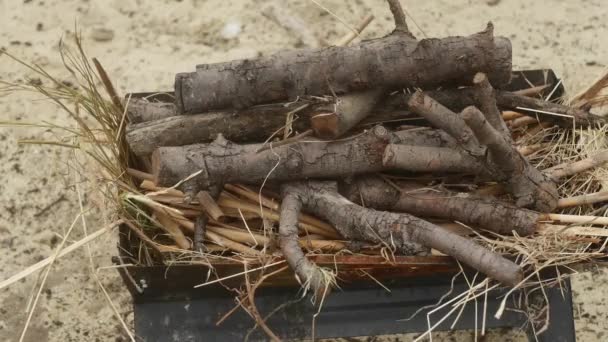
[483, 148]
[223, 161]
[530, 187]
[254, 124]
[406, 233]
[142, 110]
[309, 274]
[478, 212]
[393, 62]
[458, 99]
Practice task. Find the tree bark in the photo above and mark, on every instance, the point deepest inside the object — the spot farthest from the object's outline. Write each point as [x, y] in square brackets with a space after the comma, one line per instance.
[225, 162]
[476, 136]
[142, 110]
[406, 233]
[310, 275]
[393, 62]
[254, 124]
[446, 120]
[458, 99]
[478, 212]
[536, 107]
[530, 187]
[429, 159]
[485, 100]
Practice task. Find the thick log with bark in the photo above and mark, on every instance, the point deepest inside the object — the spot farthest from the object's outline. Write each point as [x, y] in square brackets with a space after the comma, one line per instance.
[223, 161]
[258, 123]
[254, 124]
[405, 232]
[479, 212]
[393, 62]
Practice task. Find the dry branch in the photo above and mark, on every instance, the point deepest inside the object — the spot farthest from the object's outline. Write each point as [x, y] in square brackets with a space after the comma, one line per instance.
[429, 159]
[479, 212]
[141, 110]
[393, 62]
[572, 168]
[309, 274]
[562, 115]
[254, 124]
[485, 100]
[530, 187]
[476, 136]
[446, 120]
[225, 162]
[404, 232]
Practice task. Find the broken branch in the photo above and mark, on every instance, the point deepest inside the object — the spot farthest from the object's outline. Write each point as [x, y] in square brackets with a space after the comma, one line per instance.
[401, 231]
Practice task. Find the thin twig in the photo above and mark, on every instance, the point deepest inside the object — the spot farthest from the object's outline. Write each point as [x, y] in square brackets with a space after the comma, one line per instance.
[108, 85]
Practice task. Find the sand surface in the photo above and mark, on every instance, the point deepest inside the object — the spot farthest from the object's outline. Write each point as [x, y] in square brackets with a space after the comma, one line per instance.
[142, 44]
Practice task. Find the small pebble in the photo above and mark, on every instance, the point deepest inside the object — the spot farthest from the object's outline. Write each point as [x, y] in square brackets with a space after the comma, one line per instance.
[231, 29]
[101, 34]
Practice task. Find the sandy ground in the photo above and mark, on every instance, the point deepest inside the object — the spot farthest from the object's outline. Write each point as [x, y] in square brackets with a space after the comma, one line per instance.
[143, 44]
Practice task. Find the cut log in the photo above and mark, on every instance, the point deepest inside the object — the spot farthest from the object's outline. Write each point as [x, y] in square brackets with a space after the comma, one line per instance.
[254, 124]
[223, 162]
[331, 120]
[142, 110]
[393, 62]
[429, 159]
[408, 234]
[478, 212]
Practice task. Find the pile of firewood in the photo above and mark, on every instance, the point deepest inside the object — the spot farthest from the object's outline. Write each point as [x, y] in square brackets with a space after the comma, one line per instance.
[321, 131]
